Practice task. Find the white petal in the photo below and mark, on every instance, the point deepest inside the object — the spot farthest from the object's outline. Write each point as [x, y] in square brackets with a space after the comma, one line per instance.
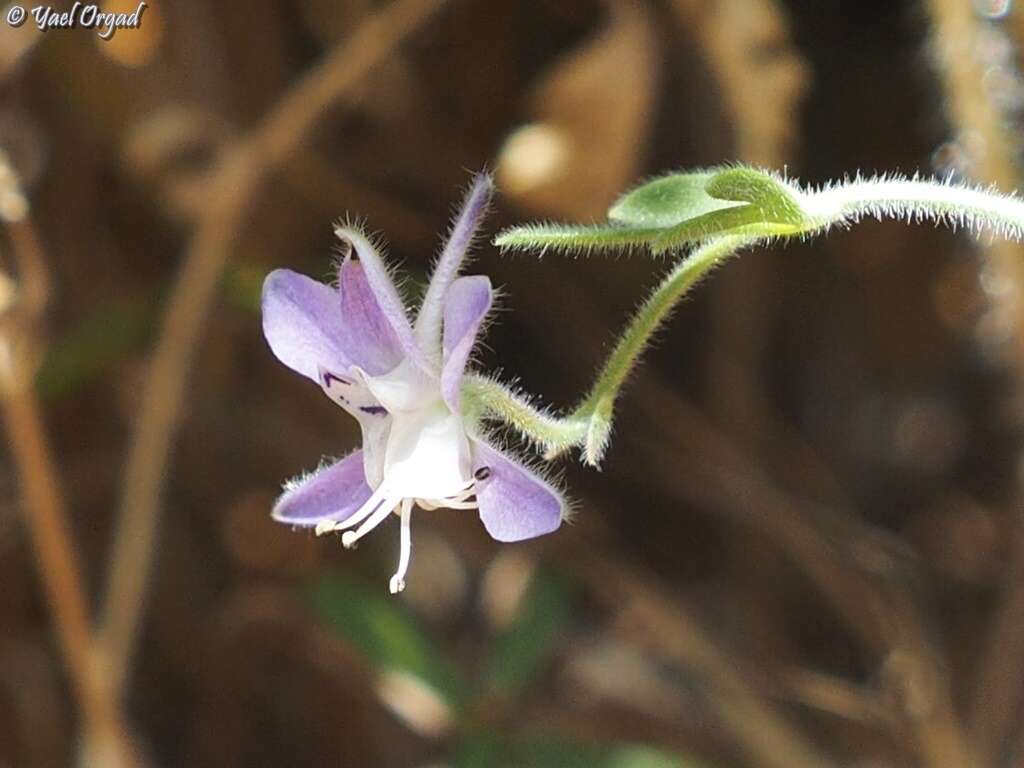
[375, 443]
[428, 455]
[406, 388]
[349, 389]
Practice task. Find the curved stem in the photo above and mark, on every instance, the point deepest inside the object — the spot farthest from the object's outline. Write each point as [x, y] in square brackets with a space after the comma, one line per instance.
[916, 200]
[653, 312]
[589, 424]
[598, 405]
[492, 399]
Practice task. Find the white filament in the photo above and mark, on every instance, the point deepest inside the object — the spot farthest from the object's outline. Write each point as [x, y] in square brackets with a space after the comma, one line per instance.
[398, 580]
[326, 526]
[349, 538]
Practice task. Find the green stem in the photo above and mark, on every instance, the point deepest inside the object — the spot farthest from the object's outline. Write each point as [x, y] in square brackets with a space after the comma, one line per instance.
[653, 312]
[598, 406]
[486, 398]
[589, 425]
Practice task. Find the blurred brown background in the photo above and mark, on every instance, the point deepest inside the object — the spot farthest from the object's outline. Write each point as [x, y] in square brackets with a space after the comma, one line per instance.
[805, 546]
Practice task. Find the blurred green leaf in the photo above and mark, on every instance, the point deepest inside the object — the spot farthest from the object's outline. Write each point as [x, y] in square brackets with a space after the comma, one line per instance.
[481, 750]
[86, 351]
[520, 651]
[646, 757]
[385, 631]
[95, 343]
[243, 285]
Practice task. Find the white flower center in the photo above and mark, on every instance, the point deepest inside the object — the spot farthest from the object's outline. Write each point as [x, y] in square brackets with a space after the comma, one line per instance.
[426, 459]
[427, 455]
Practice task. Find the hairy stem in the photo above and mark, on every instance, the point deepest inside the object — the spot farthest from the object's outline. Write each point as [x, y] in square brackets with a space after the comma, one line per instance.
[652, 313]
[491, 399]
[917, 200]
[589, 425]
[597, 406]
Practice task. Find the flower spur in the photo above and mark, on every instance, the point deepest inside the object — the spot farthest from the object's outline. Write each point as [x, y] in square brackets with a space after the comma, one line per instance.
[402, 383]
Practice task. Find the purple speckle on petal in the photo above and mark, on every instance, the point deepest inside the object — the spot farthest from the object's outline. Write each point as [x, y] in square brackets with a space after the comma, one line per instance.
[329, 377]
[374, 410]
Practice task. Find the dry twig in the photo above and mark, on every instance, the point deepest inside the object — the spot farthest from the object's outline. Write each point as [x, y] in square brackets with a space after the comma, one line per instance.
[958, 42]
[669, 630]
[43, 505]
[243, 167]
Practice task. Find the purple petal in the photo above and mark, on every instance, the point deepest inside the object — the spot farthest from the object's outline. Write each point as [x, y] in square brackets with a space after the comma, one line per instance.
[302, 323]
[388, 301]
[332, 493]
[465, 306]
[366, 334]
[514, 503]
[474, 206]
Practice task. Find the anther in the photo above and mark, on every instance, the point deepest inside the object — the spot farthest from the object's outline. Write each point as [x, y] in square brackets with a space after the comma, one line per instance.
[482, 474]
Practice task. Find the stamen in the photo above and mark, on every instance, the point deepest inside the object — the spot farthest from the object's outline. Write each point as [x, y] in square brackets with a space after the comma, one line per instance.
[482, 474]
[361, 514]
[349, 538]
[461, 505]
[448, 501]
[398, 580]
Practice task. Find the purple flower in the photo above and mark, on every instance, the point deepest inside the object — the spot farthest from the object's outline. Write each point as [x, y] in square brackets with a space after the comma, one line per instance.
[402, 382]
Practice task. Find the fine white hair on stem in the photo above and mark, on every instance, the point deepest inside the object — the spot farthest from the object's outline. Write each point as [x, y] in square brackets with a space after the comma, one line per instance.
[979, 210]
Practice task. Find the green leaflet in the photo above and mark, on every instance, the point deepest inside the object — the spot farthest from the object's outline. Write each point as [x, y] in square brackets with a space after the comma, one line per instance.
[676, 210]
[521, 650]
[385, 631]
[775, 201]
[93, 345]
[567, 238]
[669, 201]
[492, 750]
